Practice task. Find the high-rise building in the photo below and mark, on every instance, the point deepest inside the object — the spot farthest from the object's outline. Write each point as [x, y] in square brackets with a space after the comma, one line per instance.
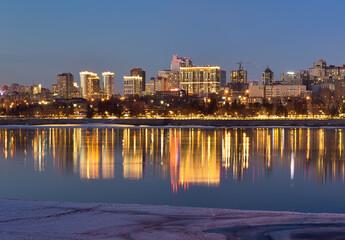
[65, 85]
[159, 84]
[76, 89]
[238, 76]
[90, 85]
[290, 78]
[36, 89]
[222, 78]
[150, 88]
[318, 69]
[267, 77]
[177, 63]
[55, 89]
[133, 85]
[139, 72]
[321, 73]
[108, 83]
[173, 78]
[200, 80]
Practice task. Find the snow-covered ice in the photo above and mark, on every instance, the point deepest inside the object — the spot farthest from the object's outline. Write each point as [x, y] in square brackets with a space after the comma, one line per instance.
[21, 219]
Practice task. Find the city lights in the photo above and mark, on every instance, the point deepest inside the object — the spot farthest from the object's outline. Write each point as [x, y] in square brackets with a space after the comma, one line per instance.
[187, 91]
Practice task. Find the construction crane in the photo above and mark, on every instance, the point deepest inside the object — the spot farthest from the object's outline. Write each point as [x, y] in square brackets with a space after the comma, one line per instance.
[247, 64]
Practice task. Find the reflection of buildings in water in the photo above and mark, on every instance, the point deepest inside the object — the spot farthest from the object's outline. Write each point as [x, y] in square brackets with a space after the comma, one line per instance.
[133, 153]
[108, 154]
[90, 155]
[157, 143]
[187, 156]
[70, 149]
[174, 158]
[63, 142]
[326, 162]
[267, 151]
[4, 139]
[199, 158]
[37, 152]
[235, 152]
[96, 154]
[292, 166]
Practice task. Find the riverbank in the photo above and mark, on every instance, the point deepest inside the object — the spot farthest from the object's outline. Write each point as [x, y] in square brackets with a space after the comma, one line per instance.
[185, 122]
[60, 220]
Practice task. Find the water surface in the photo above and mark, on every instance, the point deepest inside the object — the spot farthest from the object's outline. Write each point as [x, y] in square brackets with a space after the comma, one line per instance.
[296, 169]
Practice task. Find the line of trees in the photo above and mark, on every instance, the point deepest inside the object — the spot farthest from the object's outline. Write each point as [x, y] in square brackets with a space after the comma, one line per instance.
[325, 102]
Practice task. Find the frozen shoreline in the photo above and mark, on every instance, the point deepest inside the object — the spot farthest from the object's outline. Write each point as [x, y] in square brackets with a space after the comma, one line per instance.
[21, 219]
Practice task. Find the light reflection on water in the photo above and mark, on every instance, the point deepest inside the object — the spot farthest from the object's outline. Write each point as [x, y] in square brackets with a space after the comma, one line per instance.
[184, 157]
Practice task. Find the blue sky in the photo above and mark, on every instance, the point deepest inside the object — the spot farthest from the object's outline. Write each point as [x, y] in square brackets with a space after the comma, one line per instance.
[40, 39]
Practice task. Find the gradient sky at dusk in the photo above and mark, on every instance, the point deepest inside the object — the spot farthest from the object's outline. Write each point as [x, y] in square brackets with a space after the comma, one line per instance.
[42, 38]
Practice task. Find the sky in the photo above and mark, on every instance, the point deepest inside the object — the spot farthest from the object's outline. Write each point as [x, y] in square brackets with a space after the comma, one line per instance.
[40, 39]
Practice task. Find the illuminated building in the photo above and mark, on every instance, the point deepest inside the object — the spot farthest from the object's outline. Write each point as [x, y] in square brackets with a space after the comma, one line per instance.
[139, 72]
[173, 78]
[318, 69]
[36, 89]
[133, 85]
[90, 85]
[108, 83]
[267, 77]
[238, 76]
[65, 85]
[177, 63]
[200, 80]
[76, 90]
[238, 80]
[175, 92]
[149, 88]
[290, 78]
[321, 73]
[256, 91]
[159, 84]
[55, 89]
[279, 91]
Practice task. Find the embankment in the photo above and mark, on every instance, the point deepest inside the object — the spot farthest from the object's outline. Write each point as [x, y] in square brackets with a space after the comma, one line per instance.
[184, 122]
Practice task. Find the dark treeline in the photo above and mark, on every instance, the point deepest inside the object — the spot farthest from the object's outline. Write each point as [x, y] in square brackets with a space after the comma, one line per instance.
[326, 102]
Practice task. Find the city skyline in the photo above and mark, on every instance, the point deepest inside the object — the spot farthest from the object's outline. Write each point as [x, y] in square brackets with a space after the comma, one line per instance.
[189, 119]
[51, 39]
